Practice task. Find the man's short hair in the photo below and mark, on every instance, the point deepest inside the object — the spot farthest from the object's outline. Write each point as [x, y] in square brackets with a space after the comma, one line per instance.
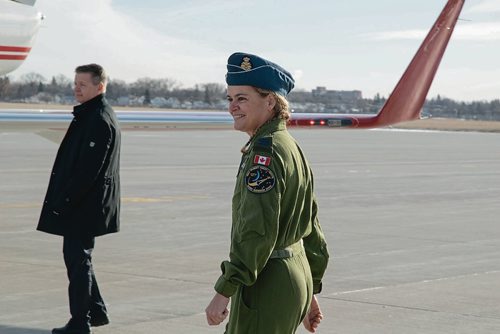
[96, 71]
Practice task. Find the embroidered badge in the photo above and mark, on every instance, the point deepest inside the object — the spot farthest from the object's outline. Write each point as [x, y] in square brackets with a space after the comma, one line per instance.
[259, 179]
[262, 160]
[92, 144]
[246, 64]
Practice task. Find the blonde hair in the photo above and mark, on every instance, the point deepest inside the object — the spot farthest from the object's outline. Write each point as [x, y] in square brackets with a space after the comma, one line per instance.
[281, 108]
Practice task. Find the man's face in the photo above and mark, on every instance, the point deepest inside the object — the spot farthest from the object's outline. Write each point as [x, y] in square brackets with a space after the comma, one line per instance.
[85, 89]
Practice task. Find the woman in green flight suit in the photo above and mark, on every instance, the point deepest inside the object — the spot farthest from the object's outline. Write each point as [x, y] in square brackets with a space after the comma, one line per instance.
[278, 252]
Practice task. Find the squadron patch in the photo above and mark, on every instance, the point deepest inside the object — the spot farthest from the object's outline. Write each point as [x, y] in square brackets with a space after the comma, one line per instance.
[259, 179]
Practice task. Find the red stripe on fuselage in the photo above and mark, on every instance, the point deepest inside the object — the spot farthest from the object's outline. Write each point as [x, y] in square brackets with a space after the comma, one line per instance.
[8, 48]
[13, 57]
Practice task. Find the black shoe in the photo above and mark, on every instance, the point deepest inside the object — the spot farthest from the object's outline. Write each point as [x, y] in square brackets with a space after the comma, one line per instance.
[70, 328]
[99, 321]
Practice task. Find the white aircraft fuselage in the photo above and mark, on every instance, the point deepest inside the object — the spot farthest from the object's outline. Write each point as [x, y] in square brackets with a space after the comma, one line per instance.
[19, 24]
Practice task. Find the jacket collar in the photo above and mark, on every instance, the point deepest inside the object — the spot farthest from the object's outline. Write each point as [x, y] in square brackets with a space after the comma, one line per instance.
[89, 106]
[273, 125]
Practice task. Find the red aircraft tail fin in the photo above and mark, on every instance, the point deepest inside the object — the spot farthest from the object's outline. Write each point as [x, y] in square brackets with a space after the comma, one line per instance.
[408, 97]
[406, 100]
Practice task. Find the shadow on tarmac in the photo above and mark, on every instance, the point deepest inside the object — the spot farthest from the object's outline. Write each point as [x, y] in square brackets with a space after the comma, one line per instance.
[20, 330]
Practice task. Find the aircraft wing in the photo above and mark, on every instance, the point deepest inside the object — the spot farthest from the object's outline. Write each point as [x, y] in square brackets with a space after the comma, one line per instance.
[31, 119]
[52, 124]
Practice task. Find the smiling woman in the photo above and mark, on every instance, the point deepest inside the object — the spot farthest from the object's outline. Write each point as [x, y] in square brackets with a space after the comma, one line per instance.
[19, 24]
[278, 252]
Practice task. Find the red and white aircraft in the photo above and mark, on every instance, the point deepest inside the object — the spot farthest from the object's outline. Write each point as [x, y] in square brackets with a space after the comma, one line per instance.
[19, 23]
[404, 104]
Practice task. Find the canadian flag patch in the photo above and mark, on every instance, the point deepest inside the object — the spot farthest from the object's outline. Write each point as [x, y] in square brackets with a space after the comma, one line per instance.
[262, 160]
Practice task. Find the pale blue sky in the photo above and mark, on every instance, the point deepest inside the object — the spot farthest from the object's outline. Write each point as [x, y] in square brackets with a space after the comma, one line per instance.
[340, 44]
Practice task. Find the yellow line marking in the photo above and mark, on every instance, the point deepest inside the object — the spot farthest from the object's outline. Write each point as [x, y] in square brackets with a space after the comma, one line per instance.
[161, 199]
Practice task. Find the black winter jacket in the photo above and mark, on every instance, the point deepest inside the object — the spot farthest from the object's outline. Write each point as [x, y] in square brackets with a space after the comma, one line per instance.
[83, 196]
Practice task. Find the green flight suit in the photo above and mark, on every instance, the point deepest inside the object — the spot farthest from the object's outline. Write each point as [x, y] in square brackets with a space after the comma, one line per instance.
[278, 252]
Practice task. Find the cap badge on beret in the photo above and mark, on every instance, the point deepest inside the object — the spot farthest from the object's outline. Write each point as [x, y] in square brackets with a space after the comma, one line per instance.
[246, 64]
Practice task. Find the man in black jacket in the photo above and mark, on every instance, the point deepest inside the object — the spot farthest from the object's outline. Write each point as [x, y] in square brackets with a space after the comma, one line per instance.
[83, 196]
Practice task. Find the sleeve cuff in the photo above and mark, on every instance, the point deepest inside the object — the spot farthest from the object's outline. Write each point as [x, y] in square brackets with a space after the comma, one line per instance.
[317, 287]
[224, 287]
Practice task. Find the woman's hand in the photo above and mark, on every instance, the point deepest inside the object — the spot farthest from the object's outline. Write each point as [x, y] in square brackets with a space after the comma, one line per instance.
[217, 310]
[313, 317]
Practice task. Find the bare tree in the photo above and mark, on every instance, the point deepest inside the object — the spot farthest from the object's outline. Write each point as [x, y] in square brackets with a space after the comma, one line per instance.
[117, 88]
[156, 87]
[214, 92]
[32, 77]
[4, 86]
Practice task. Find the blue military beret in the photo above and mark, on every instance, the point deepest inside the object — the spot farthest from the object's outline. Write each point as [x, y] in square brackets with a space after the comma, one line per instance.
[244, 69]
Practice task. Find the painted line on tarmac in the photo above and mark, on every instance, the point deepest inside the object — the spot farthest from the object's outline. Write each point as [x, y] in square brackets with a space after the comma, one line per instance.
[161, 199]
[340, 293]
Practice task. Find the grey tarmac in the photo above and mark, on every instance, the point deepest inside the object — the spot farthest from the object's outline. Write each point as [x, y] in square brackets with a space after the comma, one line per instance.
[412, 219]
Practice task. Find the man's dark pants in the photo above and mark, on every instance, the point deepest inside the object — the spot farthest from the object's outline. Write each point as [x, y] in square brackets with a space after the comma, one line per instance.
[85, 300]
